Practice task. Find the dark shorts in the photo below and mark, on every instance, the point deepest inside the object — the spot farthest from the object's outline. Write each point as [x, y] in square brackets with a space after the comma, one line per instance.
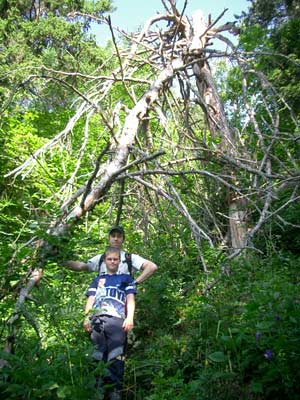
[108, 337]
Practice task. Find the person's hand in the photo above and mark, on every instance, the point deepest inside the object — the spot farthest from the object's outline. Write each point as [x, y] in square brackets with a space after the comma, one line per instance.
[128, 324]
[87, 325]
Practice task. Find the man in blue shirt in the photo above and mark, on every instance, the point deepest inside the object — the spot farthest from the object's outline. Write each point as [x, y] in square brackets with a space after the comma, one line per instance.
[109, 313]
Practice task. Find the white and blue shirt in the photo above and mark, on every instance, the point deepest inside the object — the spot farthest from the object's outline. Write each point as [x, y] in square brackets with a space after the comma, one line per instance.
[137, 263]
[110, 293]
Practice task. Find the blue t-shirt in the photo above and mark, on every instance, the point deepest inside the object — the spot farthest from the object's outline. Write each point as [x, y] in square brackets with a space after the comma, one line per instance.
[110, 293]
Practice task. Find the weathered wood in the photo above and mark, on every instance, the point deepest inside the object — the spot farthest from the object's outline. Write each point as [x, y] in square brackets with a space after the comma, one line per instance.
[34, 277]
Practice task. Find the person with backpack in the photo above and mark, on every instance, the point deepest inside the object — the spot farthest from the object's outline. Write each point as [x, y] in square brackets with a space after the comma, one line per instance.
[109, 313]
[129, 263]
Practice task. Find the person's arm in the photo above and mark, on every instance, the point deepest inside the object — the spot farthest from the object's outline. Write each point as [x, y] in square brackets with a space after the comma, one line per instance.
[130, 307]
[76, 265]
[88, 307]
[148, 268]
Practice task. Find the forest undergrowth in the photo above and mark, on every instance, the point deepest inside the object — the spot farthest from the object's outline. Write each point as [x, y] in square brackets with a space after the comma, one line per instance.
[239, 341]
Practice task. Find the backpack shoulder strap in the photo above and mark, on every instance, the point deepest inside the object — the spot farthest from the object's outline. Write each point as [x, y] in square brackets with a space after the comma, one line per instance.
[101, 259]
[129, 263]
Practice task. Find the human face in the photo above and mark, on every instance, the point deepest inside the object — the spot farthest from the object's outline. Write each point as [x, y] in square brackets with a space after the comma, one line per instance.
[112, 261]
[116, 239]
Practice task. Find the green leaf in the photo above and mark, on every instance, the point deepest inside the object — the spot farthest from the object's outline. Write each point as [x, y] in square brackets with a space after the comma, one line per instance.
[264, 325]
[257, 387]
[63, 392]
[217, 356]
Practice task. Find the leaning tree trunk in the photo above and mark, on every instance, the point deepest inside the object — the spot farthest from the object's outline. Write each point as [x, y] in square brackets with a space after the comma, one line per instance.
[218, 127]
[33, 278]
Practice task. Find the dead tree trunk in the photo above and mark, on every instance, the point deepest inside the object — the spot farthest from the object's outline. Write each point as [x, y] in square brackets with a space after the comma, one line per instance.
[218, 126]
[33, 279]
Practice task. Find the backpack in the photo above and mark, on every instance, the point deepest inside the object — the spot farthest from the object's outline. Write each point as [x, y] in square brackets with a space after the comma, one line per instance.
[128, 260]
